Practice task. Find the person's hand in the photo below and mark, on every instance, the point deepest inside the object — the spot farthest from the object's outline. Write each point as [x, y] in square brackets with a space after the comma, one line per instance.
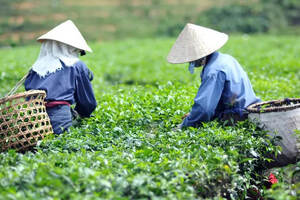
[177, 128]
[185, 115]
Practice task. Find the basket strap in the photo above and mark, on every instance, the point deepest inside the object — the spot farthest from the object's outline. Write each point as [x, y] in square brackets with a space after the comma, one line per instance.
[14, 89]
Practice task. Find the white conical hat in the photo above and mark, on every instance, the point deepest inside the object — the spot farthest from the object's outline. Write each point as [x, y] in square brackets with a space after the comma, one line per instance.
[195, 42]
[67, 33]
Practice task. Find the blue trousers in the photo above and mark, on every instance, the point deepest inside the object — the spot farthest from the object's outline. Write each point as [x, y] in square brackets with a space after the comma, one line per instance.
[60, 118]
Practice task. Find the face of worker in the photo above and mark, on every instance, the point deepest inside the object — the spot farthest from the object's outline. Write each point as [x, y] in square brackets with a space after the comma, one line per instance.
[200, 62]
[196, 63]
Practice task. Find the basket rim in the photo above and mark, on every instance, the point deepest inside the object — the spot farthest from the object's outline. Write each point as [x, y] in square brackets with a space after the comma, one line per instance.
[256, 108]
[22, 94]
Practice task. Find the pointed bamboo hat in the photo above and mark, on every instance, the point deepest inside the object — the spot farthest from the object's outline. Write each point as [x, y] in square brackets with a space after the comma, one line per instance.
[195, 42]
[67, 33]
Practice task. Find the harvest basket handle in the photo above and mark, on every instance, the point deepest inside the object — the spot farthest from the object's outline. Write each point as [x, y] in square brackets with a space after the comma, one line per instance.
[14, 89]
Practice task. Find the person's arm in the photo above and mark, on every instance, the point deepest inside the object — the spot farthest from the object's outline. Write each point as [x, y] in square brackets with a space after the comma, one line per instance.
[206, 101]
[84, 94]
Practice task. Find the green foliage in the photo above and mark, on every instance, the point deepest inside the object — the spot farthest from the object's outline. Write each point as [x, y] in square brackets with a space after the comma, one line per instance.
[289, 183]
[7, 8]
[249, 17]
[97, 20]
[290, 9]
[22, 21]
[246, 18]
[129, 148]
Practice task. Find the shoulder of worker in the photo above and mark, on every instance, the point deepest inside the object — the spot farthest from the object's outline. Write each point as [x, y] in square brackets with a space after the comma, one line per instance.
[81, 67]
[221, 62]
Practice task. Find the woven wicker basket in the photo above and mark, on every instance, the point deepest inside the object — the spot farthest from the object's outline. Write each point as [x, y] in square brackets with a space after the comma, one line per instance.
[23, 120]
[280, 118]
[275, 105]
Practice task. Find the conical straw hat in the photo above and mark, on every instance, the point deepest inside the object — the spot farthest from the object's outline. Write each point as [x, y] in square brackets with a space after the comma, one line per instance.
[67, 33]
[195, 42]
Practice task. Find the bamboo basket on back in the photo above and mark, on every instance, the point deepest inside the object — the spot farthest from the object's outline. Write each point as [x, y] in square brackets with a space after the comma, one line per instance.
[280, 118]
[23, 120]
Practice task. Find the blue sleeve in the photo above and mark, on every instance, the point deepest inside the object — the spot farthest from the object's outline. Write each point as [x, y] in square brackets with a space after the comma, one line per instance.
[207, 99]
[84, 94]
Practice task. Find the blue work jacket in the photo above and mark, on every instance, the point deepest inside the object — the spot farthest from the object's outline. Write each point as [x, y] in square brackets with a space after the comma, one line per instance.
[71, 84]
[225, 88]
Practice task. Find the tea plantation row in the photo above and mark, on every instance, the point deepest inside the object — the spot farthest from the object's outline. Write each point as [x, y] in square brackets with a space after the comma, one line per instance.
[129, 148]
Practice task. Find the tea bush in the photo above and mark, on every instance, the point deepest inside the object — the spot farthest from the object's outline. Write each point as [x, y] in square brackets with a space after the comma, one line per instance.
[129, 149]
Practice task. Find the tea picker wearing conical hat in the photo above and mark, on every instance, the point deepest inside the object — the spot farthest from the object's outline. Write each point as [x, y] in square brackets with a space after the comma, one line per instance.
[65, 78]
[225, 90]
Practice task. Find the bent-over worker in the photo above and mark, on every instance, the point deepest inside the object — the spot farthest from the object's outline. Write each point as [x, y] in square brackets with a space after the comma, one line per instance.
[65, 78]
[225, 90]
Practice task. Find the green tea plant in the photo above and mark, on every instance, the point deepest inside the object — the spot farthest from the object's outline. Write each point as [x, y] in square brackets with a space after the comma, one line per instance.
[130, 149]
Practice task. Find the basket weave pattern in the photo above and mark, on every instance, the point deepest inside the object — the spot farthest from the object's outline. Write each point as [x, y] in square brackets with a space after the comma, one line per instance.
[275, 105]
[23, 120]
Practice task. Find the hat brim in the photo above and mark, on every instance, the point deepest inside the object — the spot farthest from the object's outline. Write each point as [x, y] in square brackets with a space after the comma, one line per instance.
[195, 42]
[67, 33]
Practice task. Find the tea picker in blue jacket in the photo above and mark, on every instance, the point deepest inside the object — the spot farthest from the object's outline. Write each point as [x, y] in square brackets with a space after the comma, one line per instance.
[65, 78]
[225, 89]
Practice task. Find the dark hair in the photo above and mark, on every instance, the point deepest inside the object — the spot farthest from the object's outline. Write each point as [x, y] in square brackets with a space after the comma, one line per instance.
[82, 53]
